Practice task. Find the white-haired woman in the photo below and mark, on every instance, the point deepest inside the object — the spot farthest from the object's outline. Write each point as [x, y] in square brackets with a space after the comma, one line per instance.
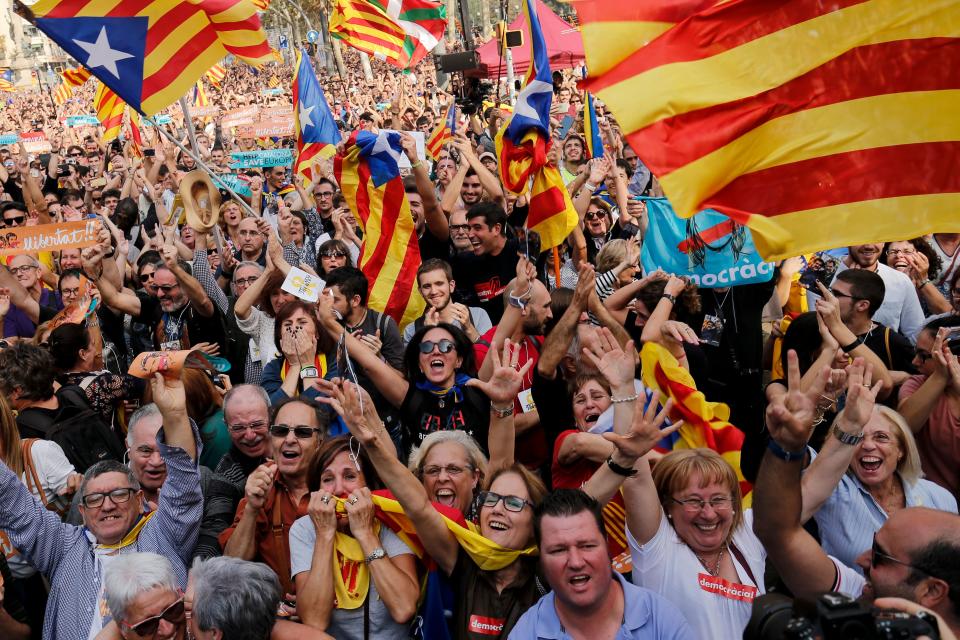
[451, 466]
[853, 486]
[143, 597]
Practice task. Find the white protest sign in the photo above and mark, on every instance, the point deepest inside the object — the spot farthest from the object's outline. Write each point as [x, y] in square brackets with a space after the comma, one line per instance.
[304, 285]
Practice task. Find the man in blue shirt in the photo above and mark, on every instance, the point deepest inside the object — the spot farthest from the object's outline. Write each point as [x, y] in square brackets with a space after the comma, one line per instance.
[589, 600]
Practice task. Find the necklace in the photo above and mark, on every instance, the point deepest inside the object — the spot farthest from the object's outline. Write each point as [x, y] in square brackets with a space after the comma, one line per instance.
[716, 567]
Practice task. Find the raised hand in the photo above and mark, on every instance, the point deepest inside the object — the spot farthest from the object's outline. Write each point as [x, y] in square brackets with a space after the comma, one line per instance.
[168, 394]
[861, 396]
[790, 415]
[4, 302]
[617, 365]
[586, 286]
[646, 430]
[507, 378]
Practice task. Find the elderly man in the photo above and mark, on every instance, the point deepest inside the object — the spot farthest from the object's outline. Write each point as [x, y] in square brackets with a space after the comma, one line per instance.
[276, 493]
[233, 598]
[589, 599]
[246, 411]
[143, 597]
[74, 558]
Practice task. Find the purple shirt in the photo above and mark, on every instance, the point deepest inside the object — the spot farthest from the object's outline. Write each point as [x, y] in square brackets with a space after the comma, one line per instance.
[17, 323]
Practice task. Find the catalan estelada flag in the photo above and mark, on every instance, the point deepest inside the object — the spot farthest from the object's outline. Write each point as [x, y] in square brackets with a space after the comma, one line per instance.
[443, 133]
[816, 124]
[705, 424]
[216, 74]
[316, 130]
[109, 108]
[369, 178]
[150, 52]
[591, 132]
[400, 32]
[7, 86]
[522, 146]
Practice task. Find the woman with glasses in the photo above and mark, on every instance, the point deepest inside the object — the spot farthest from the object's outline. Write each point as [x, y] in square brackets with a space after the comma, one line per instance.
[355, 578]
[331, 255]
[917, 259]
[144, 599]
[930, 401]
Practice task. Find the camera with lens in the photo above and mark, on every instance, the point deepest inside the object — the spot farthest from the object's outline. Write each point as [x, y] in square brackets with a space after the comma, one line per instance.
[832, 616]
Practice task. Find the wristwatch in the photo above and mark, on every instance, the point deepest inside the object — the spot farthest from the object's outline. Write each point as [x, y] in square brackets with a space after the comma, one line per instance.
[376, 554]
[669, 296]
[501, 412]
[308, 372]
[853, 345]
[620, 470]
[847, 438]
[787, 456]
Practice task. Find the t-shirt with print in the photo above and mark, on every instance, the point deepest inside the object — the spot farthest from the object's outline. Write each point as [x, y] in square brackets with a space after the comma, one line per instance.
[423, 413]
[347, 624]
[480, 612]
[481, 280]
[715, 608]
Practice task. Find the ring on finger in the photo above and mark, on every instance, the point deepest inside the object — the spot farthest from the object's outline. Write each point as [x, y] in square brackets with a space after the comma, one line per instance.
[354, 500]
[325, 499]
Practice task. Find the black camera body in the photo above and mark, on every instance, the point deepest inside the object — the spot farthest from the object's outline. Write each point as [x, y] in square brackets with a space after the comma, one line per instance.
[832, 616]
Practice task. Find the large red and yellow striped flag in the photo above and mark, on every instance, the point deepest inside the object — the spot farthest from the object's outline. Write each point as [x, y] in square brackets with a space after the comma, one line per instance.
[136, 135]
[705, 424]
[400, 32]
[369, 178]
[69, 80]
[816, 124]
[150, 52]
[109, 108]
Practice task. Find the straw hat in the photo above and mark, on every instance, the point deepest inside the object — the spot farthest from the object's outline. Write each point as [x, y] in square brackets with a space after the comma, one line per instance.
[201, 199]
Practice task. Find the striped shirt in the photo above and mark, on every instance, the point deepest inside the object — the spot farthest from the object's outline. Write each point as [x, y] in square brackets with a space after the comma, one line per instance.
[851, 515]
[65, 553]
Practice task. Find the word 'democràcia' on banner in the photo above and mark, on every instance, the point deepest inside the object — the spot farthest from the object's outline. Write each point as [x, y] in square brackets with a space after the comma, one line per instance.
[263, 158]
[49, 237]
[707, 248]
[276, 127]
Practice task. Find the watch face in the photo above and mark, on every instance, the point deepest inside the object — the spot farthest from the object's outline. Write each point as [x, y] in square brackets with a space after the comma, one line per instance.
[308, 372]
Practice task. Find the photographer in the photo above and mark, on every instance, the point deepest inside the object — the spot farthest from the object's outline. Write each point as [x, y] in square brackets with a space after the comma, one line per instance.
[915, 554]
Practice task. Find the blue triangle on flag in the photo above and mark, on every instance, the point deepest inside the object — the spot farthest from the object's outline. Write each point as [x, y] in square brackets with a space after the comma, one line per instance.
[112, 49]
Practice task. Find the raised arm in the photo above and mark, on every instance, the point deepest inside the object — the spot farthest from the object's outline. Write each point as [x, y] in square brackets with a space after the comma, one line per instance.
[204, 275]
[433, 215]
[512, 316]
[916, 407]
[170, 397]
[367, 428]
[488, 181]
[777, 495]
[824, 473]
[558, 341]
[121, 301]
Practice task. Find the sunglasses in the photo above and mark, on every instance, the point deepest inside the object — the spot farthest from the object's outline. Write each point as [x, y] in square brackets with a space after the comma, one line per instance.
[510, 503]
[76, 155]
[444, 346]
[878, 557]
[300, 431]
[175, 613]
[333, 254]
[592, 215]
[17, 220]
[167, 288]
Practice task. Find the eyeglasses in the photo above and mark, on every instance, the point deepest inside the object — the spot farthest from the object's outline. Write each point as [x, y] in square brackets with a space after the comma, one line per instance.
[23, 269]
[259, 425]
[147, 276]
[459, 227]
[324, 194]
[15, 221]
[510, 503]
[175, 613]
[592, 215]
[301, 431]
[444, 346]
[333, 254]
[906, 252]
[841, 294]
[876, 553]
[245, 282]
[167, 288]
[696, 505]
[117, 496]
[452, 470]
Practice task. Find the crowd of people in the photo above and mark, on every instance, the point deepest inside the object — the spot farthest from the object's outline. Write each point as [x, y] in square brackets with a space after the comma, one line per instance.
[494, 469]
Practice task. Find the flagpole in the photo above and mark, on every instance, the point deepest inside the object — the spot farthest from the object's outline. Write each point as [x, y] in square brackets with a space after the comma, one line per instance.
[188, 121]
[201, 164]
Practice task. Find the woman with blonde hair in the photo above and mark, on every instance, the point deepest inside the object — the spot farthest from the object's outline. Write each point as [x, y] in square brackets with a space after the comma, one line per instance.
[230, 216]
[852, 487]
[617, 263]
[451, 465]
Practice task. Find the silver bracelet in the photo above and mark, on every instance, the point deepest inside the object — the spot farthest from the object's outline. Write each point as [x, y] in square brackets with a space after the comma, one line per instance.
[626, 399]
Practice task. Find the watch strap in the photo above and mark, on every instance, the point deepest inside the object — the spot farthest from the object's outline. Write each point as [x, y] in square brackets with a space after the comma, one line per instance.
[620, 470]
[376, 554]
[853, 345]
[851, 439]
[787, 456]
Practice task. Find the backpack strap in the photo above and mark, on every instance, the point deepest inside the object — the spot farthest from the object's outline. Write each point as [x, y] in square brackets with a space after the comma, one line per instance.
[743, 562]
[30, 469]
[886, 343]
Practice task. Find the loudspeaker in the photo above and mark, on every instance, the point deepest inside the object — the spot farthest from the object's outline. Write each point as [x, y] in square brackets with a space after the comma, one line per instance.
[514, 38]
[458, 61]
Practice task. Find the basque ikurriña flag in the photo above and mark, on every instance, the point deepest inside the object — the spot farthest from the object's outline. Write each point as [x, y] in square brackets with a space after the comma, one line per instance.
[522, 147]
[369, 178]
[316, 129]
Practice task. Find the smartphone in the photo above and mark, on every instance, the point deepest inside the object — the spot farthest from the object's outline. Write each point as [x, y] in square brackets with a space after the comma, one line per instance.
[821, 267]
[96, 183]
[149, 153]
[565, 126]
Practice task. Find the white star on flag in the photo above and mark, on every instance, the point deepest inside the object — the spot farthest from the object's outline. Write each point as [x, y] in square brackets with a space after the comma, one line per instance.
[383, 145]
[523, 106]
[101, 55]
[305, 119]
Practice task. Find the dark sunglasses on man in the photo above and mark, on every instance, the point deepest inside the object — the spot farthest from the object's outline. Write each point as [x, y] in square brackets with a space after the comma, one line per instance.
[175, 613]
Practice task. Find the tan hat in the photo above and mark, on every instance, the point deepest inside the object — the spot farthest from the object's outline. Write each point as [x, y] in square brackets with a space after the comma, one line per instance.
[201, 199]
